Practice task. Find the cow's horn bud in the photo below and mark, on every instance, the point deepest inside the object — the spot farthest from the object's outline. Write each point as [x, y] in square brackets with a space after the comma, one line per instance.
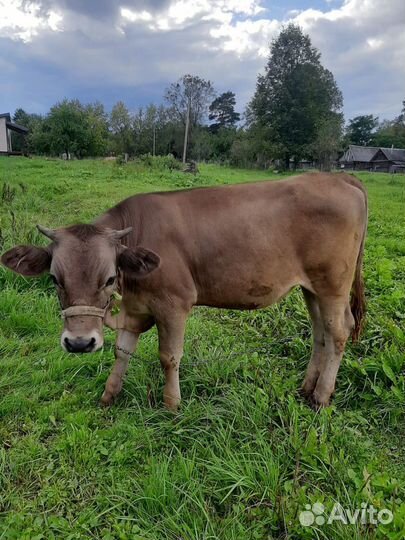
[50, 233]
[120, 234]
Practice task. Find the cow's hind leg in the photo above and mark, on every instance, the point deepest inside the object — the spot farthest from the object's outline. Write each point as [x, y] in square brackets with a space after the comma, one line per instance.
[171, 340]
[124, 347]
[337, 323]
[318, 344]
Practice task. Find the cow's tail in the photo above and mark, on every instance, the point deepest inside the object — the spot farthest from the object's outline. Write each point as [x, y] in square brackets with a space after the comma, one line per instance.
[358, 299]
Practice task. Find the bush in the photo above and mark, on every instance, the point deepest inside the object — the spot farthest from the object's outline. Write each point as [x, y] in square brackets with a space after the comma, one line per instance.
[242, 153]
[120, 159]
[159, 163]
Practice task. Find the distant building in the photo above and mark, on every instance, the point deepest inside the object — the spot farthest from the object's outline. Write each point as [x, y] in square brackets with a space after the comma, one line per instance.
[6, 127]
[358, 157]
[373, 158]
[389, 160]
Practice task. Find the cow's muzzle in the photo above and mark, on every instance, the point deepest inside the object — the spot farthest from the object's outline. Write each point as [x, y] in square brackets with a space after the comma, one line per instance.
[79, 344]
[79, 335]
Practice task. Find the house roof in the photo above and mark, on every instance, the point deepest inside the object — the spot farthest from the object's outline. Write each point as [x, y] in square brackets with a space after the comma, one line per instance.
[359, 153]
[16, 127]
[394, 154]
[366, 154]
[12, 125]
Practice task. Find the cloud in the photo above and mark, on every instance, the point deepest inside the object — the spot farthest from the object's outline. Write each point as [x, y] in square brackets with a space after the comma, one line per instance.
[132, 49]
[363, 43]
[22, 20]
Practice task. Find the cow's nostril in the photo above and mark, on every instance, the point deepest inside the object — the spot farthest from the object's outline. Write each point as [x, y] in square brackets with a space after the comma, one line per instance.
[68, 345]
[79, 344]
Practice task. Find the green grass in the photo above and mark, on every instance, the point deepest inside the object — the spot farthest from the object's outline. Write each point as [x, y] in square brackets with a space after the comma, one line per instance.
[245, 454]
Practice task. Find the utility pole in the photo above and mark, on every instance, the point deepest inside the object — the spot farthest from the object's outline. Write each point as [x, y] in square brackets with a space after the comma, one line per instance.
[186, 130]
[154, 140]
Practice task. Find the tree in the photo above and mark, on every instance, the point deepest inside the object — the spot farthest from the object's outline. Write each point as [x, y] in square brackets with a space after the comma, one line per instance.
[148, 125]
[97, 129]
[401, 118]
[294, 97]
[67, 127]
[361, 129]
[244, 149]
[328, 142]
[222, 142]
[222, 110]
[188, 99]
[121, 128]
[190, 91]
[21, 142]
[391, 132]
[39, 138]
[74, 129]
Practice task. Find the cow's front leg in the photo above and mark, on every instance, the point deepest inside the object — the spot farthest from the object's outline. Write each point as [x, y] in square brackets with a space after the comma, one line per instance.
[124, 347]
[171, 340]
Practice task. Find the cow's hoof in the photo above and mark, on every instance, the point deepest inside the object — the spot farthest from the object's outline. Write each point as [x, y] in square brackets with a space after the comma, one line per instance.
[305, 392]
[309, 385]
[316, 403]
[172, 404]
[107, 399]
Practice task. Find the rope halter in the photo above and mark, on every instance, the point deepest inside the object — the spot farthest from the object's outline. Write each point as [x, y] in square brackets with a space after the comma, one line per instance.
[92, 311]
[83, 311]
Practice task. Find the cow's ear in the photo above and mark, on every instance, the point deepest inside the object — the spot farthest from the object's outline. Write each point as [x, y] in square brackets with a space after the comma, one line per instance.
[139, 261]
[27, 260]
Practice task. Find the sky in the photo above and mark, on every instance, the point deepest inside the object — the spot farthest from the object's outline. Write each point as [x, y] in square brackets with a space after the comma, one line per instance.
[131, 50]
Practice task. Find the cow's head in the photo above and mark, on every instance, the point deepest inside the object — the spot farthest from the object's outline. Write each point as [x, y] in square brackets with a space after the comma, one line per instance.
[84, 262]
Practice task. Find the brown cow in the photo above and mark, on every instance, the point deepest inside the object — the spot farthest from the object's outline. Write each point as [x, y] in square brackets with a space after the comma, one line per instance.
[240, 246]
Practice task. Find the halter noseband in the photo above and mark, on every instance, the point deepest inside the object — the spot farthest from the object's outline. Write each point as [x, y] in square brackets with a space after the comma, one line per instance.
[91, 311]
[86, 311]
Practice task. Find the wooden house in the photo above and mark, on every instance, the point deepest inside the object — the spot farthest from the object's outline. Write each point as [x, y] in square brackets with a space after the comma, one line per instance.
[389, 160]
[373, 158]
[6, 127]
[358, 158]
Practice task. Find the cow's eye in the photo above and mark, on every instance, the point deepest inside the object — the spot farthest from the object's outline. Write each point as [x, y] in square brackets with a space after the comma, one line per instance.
[110, 281]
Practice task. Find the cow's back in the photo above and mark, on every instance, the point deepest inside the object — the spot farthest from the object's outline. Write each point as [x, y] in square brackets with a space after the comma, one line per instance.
[246, 245]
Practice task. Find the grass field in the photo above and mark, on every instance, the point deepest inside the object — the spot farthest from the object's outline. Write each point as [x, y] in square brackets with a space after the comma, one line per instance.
[245, 454]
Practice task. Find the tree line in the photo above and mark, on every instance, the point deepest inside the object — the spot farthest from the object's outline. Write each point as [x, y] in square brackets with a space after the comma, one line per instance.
[79, 130]
[367, 130]
[294, 114]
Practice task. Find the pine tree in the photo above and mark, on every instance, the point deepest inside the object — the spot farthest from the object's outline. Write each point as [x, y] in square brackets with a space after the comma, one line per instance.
[222, 110]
